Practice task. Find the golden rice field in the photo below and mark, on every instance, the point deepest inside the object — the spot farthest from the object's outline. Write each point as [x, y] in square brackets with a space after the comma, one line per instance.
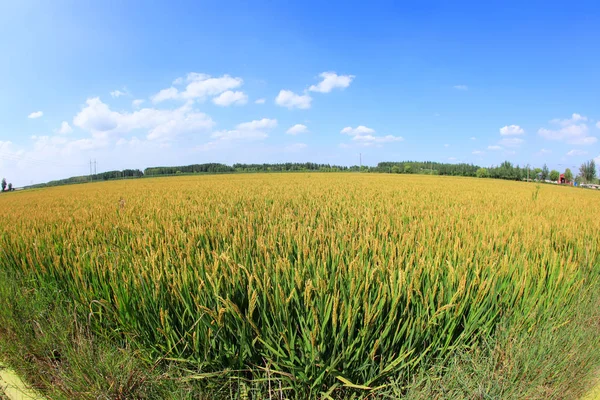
[323, 279]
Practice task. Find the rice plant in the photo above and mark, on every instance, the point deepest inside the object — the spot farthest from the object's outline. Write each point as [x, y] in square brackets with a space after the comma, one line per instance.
[327, 283]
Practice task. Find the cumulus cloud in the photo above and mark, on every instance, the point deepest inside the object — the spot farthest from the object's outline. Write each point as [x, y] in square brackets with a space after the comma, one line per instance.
[364, 136]
[264, 123]
[359, 130]
[545, 151]
[573, 130]
[64, 129]
[461, 87]
[137, 103]
[245, 131]
[161, 125]
[289, 99]
[230, 98]
[297, 129]
[252, 130]
[511, 130]
[165, 94]
[199, 87]
[330, 81]
[119, 93]
[598, 124]
[36, 114]
[576, 152]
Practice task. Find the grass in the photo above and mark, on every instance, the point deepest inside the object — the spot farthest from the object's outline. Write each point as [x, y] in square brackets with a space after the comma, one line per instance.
[301, 286]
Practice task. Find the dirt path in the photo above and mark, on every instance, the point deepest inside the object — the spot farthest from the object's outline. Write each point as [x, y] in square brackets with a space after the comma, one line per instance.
[13, 388]
[594, 393]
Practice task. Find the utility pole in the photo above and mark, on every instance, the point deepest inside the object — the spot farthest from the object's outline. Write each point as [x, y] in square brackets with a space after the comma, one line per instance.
[95, 172]
[91, 177]
[360, 160]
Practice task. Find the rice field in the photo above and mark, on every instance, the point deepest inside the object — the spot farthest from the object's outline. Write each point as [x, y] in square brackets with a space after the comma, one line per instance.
[326, 281]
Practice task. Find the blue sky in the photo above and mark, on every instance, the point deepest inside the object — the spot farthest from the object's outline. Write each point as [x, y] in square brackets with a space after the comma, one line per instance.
[135, 84]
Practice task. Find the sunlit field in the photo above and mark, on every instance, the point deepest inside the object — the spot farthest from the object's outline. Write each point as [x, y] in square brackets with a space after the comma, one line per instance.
[324, 283]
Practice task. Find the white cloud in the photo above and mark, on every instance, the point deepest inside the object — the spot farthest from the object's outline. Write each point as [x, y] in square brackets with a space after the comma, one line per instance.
[494, 147]
[511, 142]
[446, 145]
[48, 145]
[264, 123]
[545, 151]
[118, 93]
[461, 87]
[575, 118]
[289, 99]
[598, 124]
[64, 129]
[36, 114]
[246, 131]
[295, 147]
[477, 152]
[451, 158]
[330, 81]
[229, 97]
[165, 94]
[161, 125]
[573, 153]
[511, 130]
[199, 86]
[371, 139]
[365, 136]
[572, 131]
[296, 129]
[137, 103]
[473, 138]
[260, 101]
[359, 130]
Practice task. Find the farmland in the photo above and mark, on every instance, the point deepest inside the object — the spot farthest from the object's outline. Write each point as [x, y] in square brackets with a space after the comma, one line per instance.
[322, 283]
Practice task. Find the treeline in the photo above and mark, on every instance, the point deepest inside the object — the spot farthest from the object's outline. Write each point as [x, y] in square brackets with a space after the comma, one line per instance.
[506, 170]
[210, 168]
[214, 168]
[103, 176]
[426, 167]
[285, 167]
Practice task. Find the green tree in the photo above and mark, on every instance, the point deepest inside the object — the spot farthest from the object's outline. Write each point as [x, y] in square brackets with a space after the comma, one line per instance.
[568, 175]
[537, 173]
[554, 175]
[587, 171]
[3, 184]
[545, 172]
[408, 169]
[395, 169]
[482, 173]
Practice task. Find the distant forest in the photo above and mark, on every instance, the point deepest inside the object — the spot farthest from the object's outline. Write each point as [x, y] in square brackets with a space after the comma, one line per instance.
[506, 170]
